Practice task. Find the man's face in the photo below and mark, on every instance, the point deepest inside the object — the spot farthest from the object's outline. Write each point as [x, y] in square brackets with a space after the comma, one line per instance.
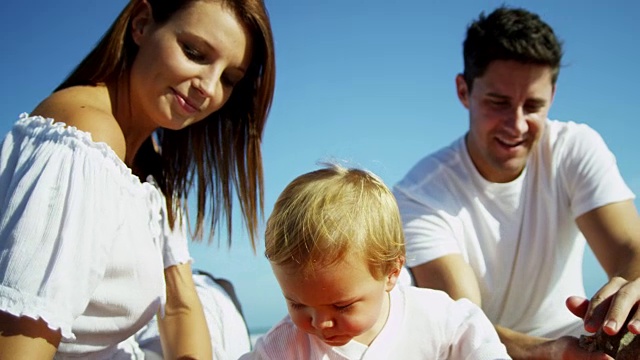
[508, 107]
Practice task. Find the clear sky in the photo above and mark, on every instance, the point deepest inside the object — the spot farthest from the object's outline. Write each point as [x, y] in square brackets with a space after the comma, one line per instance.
[370, 83]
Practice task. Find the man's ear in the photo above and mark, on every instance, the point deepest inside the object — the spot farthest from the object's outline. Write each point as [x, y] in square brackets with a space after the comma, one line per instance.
[392, 277]
[462, 90]
[141, 19]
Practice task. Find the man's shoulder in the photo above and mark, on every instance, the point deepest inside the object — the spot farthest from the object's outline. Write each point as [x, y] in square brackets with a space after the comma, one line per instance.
[562, 130]
[570, 140]
[434, 166]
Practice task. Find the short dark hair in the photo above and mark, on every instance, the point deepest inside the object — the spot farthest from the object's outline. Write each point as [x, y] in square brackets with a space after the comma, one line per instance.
[510, 34]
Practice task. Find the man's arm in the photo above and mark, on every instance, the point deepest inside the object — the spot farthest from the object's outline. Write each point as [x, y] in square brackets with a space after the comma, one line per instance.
[613, 233]
[452, 274]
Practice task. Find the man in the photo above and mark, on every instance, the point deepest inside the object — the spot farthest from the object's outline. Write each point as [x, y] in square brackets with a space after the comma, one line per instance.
[500, 216]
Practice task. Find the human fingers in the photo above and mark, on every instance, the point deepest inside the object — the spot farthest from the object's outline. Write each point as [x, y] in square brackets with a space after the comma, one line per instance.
[577, 305]
[623, 304]
[599, 304]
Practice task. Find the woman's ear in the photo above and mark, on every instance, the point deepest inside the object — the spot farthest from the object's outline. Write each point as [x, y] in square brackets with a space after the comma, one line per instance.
[141, 20]
[392, 277]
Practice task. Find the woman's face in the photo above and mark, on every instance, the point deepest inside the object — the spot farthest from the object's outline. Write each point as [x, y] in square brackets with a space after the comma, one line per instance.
[186, 68]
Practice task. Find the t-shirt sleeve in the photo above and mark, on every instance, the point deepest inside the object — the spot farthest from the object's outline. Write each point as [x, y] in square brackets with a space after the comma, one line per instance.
[54, 242]
[590, 171]
[428, 231]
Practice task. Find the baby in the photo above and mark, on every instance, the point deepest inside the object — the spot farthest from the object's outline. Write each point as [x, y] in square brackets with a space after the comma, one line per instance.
[336, 247]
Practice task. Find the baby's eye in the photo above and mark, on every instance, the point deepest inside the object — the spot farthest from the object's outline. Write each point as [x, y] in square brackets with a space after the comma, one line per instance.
[343, 308]
[295, 306]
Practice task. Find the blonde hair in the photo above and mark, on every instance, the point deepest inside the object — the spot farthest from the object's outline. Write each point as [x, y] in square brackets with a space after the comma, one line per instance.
[325, 215]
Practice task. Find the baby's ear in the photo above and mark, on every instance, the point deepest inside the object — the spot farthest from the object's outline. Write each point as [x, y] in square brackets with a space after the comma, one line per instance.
[392, 277]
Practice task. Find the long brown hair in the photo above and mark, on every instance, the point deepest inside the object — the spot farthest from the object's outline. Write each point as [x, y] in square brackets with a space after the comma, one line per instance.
[218, 155]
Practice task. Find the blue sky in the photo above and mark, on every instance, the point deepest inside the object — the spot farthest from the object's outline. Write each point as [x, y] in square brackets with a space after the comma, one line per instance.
[369, 83]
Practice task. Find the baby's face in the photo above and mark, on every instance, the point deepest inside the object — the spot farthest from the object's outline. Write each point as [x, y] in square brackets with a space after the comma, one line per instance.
[337, 303]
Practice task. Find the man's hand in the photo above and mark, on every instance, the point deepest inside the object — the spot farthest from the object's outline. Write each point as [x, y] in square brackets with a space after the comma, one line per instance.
[610, 307]
[526, 347]
[613, 233]
[566, 348]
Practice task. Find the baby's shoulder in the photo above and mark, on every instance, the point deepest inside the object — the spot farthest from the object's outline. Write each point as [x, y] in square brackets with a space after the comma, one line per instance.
[84, 108]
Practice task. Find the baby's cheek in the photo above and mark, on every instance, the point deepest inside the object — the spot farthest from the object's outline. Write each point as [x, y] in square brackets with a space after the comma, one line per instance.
[301, 320]
[358, 325]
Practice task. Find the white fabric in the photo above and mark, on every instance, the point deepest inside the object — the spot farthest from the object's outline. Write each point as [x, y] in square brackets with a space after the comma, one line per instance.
[448, 207]
[227, 328]
[82, 240]
[422, 324]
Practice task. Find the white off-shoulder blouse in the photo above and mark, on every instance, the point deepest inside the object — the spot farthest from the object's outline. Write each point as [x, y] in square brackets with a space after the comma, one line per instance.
[83, 242]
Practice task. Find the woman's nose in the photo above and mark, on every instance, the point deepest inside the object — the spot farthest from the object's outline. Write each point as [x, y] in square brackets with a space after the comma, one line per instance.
[208, 86]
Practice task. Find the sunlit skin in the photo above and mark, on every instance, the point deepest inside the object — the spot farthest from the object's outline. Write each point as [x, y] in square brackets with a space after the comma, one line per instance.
[186, 68]
[337, 303]
[508, 107]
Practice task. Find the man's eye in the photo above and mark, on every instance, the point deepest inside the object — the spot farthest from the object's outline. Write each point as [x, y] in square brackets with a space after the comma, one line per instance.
[532, 109]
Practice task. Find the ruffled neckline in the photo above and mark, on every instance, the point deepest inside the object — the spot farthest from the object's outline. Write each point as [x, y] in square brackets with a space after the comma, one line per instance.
[48, 127]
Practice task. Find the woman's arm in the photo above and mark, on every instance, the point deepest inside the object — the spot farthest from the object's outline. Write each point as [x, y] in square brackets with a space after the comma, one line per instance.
[183, 330]
[26, 338]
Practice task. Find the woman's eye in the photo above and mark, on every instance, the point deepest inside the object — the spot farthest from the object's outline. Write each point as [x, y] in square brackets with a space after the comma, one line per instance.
[192, 53]
[228, 81]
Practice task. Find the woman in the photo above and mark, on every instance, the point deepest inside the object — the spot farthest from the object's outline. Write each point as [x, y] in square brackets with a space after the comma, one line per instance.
[90, 208]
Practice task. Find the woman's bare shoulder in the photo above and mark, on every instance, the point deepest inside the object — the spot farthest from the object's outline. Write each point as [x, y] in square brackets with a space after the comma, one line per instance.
[88, 109]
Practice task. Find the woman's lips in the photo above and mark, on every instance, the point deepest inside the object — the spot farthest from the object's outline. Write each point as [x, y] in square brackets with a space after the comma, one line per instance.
[185, 103]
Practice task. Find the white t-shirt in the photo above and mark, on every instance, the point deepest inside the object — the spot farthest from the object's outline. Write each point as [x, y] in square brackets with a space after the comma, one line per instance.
[448, 207]
[83, 243]
[422, 324]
